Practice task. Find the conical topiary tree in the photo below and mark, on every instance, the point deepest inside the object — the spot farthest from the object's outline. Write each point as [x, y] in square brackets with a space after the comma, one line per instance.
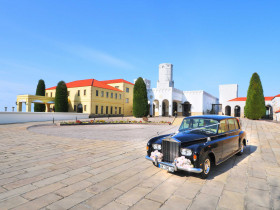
[140, 99]
[40, 91]
[61, 97]
[255, 103]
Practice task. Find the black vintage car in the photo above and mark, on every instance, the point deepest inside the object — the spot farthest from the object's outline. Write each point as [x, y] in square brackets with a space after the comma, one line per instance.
[199, 142]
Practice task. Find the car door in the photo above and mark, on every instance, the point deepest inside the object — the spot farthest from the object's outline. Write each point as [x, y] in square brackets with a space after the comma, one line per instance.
[223, 133]
[234, 135]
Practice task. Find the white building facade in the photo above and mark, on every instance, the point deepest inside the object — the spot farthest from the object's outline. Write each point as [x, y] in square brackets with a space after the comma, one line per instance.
[166, 100]
[233, 105]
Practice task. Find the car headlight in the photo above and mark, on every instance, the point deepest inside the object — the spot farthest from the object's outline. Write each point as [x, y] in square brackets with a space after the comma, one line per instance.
[156, 146]
[186, 152]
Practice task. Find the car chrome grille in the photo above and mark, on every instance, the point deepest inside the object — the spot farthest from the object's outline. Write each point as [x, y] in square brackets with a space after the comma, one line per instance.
[170, 150]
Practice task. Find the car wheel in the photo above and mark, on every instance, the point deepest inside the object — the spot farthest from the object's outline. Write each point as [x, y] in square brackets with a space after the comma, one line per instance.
[206, 167]
[241, 149]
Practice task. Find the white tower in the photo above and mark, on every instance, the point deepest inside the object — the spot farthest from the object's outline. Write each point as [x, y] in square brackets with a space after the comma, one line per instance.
[165, 76]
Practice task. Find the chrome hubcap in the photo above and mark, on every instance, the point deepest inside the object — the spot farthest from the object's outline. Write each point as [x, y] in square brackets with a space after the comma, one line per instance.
[206, 166]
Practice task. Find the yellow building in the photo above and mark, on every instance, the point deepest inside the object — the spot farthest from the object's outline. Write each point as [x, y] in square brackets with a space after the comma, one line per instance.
[110, 97]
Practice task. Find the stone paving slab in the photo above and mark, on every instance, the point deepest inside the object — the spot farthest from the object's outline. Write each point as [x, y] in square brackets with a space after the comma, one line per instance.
[47, 167]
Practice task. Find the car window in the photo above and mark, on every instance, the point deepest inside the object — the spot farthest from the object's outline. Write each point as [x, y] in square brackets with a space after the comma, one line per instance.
[231, 124]
[223, 126]
[199, 125]
[185, 124]
[236, 124]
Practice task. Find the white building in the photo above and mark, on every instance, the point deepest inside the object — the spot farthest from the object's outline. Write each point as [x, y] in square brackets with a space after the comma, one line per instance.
[165, 100]
[233, 105]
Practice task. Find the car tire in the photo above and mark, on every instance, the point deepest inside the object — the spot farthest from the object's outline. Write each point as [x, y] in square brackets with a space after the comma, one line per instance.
[206, 167]
[241, 149]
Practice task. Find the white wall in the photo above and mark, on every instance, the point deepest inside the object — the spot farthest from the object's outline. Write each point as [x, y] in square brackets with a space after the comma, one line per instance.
[208, 100]
[20, 117]
[227, 92]
[195, 98]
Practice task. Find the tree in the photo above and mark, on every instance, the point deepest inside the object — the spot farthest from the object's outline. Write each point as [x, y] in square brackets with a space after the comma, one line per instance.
[140, 99]
[255, 103]
[40, 91]
[61, 97]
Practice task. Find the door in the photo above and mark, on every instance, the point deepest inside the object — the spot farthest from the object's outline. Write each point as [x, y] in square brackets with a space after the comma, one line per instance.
[234, 134]
[226, 138]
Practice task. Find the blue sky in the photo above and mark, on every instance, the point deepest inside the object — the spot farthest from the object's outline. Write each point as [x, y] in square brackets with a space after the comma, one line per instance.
[208, 42]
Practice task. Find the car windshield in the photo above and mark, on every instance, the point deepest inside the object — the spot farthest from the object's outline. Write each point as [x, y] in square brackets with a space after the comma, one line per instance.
[209, 126]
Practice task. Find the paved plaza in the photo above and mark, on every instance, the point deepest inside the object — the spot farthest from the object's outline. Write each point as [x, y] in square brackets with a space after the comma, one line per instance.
[104, 167]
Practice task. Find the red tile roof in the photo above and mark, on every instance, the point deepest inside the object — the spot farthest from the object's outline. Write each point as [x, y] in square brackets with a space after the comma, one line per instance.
[117, 81]
[269, 98]
[87, 82]
[277, 96]
[239, 99]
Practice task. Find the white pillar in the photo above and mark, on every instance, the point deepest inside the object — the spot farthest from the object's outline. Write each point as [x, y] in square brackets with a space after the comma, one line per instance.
[170, 108]
[160, 108]
[151, 108]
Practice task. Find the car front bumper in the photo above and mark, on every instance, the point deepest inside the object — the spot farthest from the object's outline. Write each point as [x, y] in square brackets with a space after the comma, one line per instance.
[176, 168]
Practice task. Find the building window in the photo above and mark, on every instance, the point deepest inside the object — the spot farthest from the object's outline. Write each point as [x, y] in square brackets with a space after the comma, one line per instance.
[96, 92]
[127, 100]
[85, 92]
[85, 107]
[102, 93]
[107, 95]
[116, 109]
[120, 96]
[120, 110]
[101, 109]
[106, 109]
[127, 90]
[46, 94]
[68, 93]
[96, 109]
[51, 94]
[116, 96]
[75, 108]
[112, 95]
[111, 110]
[78, 92]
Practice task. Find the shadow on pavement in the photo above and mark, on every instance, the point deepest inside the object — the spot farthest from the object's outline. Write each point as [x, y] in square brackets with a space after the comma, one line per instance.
[225, 166]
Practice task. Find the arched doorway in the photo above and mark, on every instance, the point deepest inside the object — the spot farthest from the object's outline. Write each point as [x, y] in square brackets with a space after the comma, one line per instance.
[186, 106]
[156, 108]
[228, 110]
[237, 111]
[80, 108]
[165, 105]
[268, 112]
[175, 109]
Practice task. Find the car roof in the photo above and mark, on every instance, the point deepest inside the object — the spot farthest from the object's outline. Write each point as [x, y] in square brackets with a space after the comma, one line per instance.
[214, 117]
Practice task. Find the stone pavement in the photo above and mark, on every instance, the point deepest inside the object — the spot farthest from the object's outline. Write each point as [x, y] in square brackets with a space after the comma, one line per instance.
[42, 171]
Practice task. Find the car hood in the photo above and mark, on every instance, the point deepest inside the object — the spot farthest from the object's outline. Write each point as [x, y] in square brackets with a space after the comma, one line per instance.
[189, 136]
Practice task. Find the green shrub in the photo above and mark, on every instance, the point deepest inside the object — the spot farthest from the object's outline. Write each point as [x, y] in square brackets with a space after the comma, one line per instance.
[61, 97]
[40, 91]
[140, 99]
[255, 103]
